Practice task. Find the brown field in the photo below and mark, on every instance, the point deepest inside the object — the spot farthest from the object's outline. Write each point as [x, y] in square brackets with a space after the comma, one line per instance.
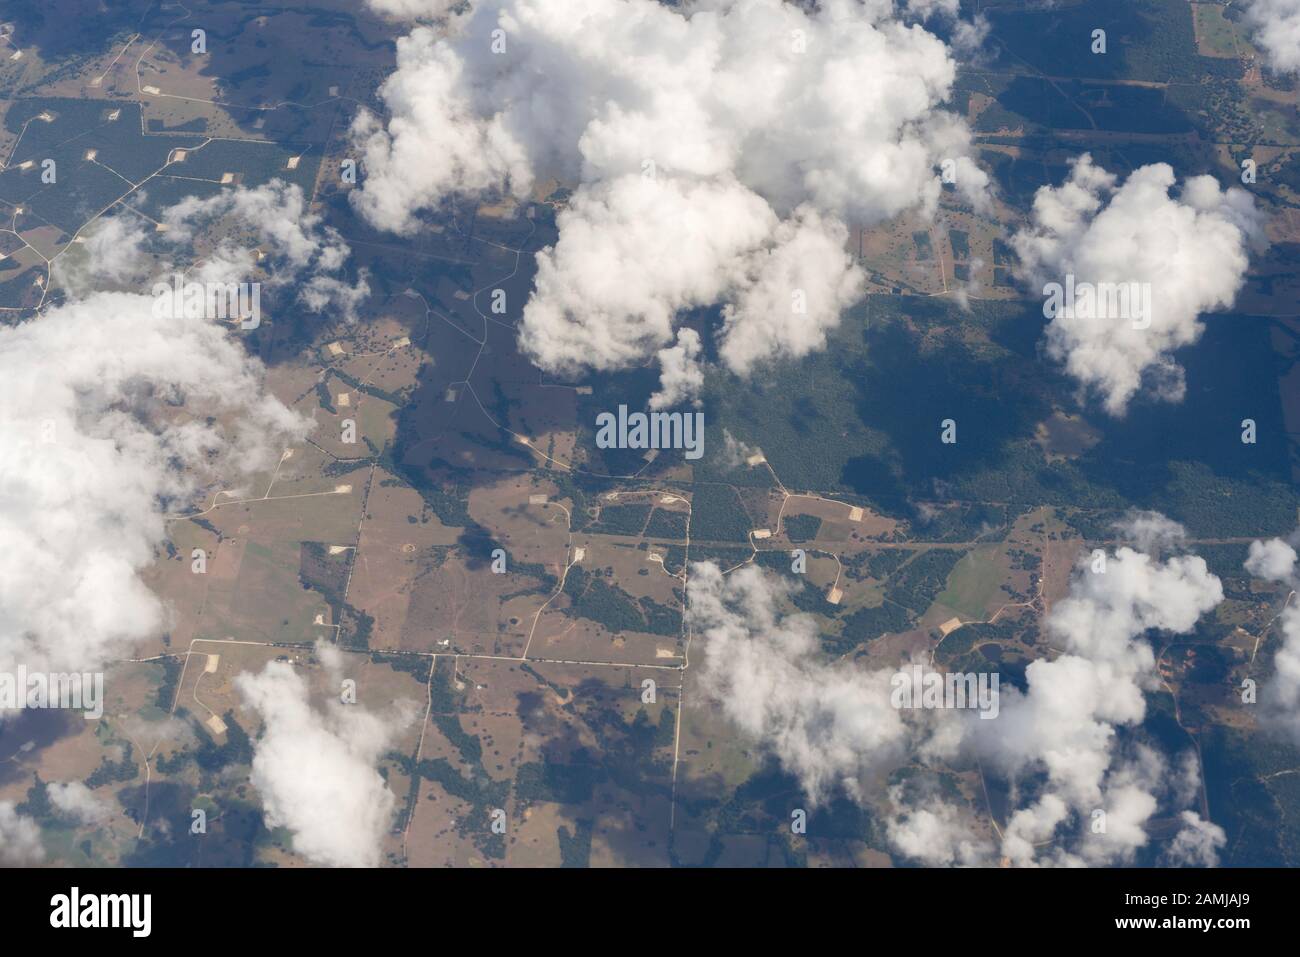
[557, 715]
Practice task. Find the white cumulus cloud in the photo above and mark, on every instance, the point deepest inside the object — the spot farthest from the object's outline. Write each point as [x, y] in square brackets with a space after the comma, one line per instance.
[1277, 30]
[315, 768]
[1191, 249]
[831, 726]
[1275, 560]
[719, 148]
[1061, 741]
[1065, 723]
[20, 838]
[118, 413]
[74, 800]
[1197, 843]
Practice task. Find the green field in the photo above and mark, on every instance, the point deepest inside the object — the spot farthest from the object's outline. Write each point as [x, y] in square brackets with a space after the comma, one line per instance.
[974, 582]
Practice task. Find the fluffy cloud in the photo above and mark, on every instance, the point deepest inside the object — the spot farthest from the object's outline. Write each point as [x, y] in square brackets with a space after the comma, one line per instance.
[1192, 249]
[74, 800]
[112, 256]
[834, 726]
[304, 254]
[719, 152]
[632, 253]
[20, 838]
[681, 376]
[91, 449]
[424, 10]
[1151, 532]
[1275, 560]
[315, 768]
[830, 726]
[117, 413]
[934, 833]
[1197, 843]
[1277, 31]
[1065, 723]
[790, 294]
